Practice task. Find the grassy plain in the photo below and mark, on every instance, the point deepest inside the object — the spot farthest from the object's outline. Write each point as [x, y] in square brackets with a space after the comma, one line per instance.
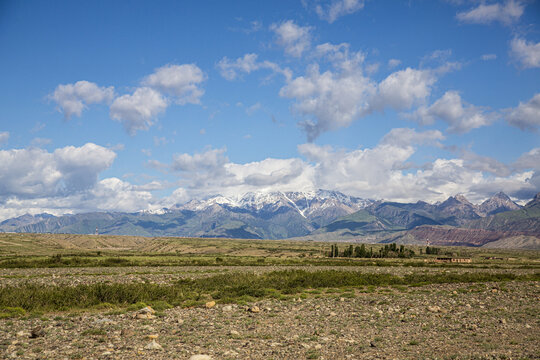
[84, 291]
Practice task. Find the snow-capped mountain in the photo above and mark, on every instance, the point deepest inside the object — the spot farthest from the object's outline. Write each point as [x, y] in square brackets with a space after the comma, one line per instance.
[270, 215]
[319, 205]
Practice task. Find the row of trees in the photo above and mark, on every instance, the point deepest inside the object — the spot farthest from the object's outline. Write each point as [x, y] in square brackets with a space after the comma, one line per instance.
[389, 251]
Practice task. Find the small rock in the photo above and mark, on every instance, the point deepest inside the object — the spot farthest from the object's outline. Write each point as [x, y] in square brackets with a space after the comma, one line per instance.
[106, 353]
[37, 332]
[147, 310]
[230, 353]
[372, 344]
[152, 336]
[527, 326]
[502, 321]
[333, 314]
[200, 357]
[23, 333]
[127, 332]
[144, 316]
[153, 346]
[434, 309]
[254, 309]
[341, 299]
[145, 313]
[234, 333]
[210, 304]
[318, 347]
[227, 308]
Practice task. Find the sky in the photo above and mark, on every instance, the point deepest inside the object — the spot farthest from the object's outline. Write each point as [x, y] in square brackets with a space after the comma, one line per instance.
[139, 105]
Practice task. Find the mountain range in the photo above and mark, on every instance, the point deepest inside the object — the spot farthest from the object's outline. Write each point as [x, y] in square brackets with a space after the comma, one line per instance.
[319, 215]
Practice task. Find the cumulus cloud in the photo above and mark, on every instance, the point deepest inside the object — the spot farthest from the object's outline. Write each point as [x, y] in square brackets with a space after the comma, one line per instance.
[525, 116]
[80, 166]
[211, 159]
[338, 8]
[334, 98]
[138, 110]
[460, 116]
[506, 13]
[404, 88]
[294, 38]
[72, 99]
[211, 172]
[180, 81]
[4, 137]
[231, 70]
[527, 53]
[330, 99]
[34, 172]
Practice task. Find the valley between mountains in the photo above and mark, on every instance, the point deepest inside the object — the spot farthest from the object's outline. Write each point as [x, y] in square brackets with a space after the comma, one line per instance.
[318, 215]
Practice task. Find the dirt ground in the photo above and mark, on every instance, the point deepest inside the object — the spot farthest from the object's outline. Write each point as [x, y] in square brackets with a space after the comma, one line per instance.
[448, 321]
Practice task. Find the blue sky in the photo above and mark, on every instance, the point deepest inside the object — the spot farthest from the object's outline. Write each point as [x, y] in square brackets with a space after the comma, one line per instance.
[138, 105]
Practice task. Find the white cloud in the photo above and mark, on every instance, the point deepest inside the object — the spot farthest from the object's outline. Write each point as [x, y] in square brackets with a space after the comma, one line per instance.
[231, 70]
[253, 108]
[525, 116]
[527, 53]
[180, 81]
[329, 100]
[39, 142]
[403, 137]
[113, 194]
[484, 164]
[34, 172]
[4, 137]
[342, 94]
[487, 57]
[529, 160]
[506, 13]
[461, 117]
[109, 194]
[402, 89]
[138, 111]
[210, 159]
[341, 57]
[65, 181]
[295, 39]
[338, 8]
[392, 63]
[72, 99]
[80, 166]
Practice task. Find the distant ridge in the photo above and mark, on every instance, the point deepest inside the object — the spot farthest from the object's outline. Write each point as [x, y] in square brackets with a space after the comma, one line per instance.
[320, 214]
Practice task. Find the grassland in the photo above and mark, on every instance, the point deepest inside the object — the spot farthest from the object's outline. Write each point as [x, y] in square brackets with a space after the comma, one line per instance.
[84, 291]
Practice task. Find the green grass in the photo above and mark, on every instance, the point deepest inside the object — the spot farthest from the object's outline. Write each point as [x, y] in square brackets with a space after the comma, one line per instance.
[163, 260]
[228, 288]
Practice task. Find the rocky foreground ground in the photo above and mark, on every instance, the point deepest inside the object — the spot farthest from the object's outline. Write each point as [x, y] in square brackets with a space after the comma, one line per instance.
[448, 321]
